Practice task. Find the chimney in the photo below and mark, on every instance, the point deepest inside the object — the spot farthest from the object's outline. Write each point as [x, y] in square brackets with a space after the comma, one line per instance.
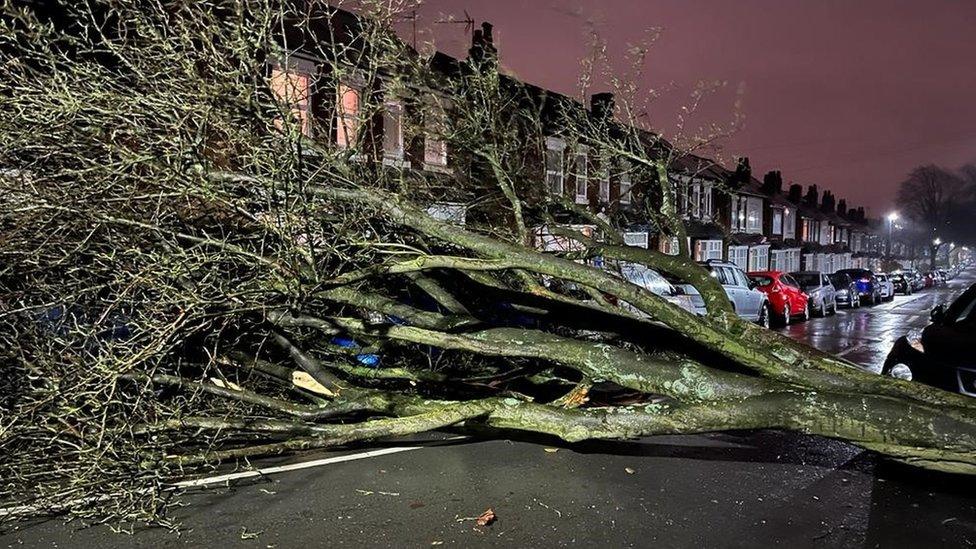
[601, 106]
[483, 45]
[796, 193]
[773, 183]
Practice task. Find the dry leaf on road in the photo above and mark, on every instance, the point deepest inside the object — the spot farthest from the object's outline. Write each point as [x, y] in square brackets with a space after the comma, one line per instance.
[486, 518]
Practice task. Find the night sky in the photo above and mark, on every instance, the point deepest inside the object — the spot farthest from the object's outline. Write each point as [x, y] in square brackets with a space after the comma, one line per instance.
[848, 95]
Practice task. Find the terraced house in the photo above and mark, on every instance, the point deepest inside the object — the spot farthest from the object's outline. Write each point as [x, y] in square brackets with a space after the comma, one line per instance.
[400, 127]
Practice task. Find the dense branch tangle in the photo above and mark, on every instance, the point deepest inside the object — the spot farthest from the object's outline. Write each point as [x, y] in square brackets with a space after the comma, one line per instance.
[194, 272]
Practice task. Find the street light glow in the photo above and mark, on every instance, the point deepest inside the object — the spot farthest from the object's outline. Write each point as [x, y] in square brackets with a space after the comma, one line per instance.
[937, 241]
[893, 216]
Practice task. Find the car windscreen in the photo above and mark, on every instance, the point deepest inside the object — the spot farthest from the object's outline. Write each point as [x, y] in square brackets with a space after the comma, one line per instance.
[964, 308]
[840, 281]
[761, 280]
[646, 278]
[807, 280]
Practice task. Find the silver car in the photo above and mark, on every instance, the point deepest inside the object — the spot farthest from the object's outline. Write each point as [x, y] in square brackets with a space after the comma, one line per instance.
[748, 302]
[823, 296]
[652, 281]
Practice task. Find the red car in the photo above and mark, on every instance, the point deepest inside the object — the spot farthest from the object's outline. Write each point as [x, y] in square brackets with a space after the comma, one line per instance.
[785, 296]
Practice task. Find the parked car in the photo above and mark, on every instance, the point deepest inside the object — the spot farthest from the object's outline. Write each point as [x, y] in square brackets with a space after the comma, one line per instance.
[918, 282]
[817, 285]
[845, 290]
[748, 302]
[901, 283]
[867, 285]
[786, 299]
[928, 279]
[652, 281]
[941, 354]
[887, 287]
[694, 296]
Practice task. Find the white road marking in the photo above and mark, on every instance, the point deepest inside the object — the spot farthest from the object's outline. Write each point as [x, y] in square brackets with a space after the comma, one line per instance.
[207, 481]
[27, 510]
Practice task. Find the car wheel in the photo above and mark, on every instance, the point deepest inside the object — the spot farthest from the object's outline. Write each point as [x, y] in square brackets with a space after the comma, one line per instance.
[833, 307]
[786, 315]
[806, 312]
[764, 316]
[822, 311]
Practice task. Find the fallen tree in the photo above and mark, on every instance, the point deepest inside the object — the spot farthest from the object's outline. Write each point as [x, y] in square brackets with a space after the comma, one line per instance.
[193, 273]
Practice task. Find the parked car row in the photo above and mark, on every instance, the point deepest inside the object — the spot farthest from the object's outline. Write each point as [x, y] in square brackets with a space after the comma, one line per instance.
[766, 296]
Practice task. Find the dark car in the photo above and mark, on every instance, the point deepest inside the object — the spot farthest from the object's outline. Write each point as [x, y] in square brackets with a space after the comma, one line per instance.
[941, 354]
[867, 285]
[817, 285]
[902, 283]
[918, 282]
[845, 291]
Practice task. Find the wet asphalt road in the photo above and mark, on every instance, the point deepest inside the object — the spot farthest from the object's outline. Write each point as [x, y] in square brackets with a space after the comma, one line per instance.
[727, 490]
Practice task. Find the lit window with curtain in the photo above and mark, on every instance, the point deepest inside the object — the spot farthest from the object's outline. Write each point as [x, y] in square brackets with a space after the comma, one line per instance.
[347, 115]
[294, 89]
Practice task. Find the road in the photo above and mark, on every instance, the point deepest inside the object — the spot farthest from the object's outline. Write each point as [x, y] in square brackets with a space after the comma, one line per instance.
[726, 490]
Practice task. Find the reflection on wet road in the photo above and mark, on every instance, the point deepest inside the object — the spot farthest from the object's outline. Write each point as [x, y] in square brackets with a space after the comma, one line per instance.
[865, 335]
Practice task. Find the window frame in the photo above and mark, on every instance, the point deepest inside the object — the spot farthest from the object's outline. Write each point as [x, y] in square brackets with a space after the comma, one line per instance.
[581, 175]
[557, 146]
[345, 120]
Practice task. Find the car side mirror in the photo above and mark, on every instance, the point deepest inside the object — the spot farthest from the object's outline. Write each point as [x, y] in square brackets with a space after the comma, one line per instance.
[938, 313]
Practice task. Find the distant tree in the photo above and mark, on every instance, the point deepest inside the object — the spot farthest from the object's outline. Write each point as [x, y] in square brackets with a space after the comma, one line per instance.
[928, 198]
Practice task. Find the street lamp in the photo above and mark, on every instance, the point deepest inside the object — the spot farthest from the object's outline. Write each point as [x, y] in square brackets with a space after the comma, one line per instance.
[892, 217]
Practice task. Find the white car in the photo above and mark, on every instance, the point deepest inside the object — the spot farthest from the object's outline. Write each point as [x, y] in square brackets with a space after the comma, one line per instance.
[886, 285]
[652, 281]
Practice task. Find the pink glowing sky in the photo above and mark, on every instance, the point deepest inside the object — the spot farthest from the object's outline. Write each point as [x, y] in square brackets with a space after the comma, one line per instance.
[846, 94]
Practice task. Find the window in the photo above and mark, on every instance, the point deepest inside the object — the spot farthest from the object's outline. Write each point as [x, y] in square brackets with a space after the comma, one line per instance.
[435, 146]
[393, 131]
[740, 277]
[625, 185]
[604, 189]
[347, 115]
[789, 222]
[294, 89]
[777, 221]
[638, 239]
[759, 258]
[740, 207]
[581, 177]
[753, 215]
[668, 245]
[739, 255]
[708, 249]
[554, 165]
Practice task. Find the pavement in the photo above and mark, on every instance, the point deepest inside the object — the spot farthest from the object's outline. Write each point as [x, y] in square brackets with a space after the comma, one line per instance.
[744, 489]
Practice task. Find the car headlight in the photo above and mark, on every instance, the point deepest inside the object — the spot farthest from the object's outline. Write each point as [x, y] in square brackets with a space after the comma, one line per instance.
[901, 371]
[914, 338]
